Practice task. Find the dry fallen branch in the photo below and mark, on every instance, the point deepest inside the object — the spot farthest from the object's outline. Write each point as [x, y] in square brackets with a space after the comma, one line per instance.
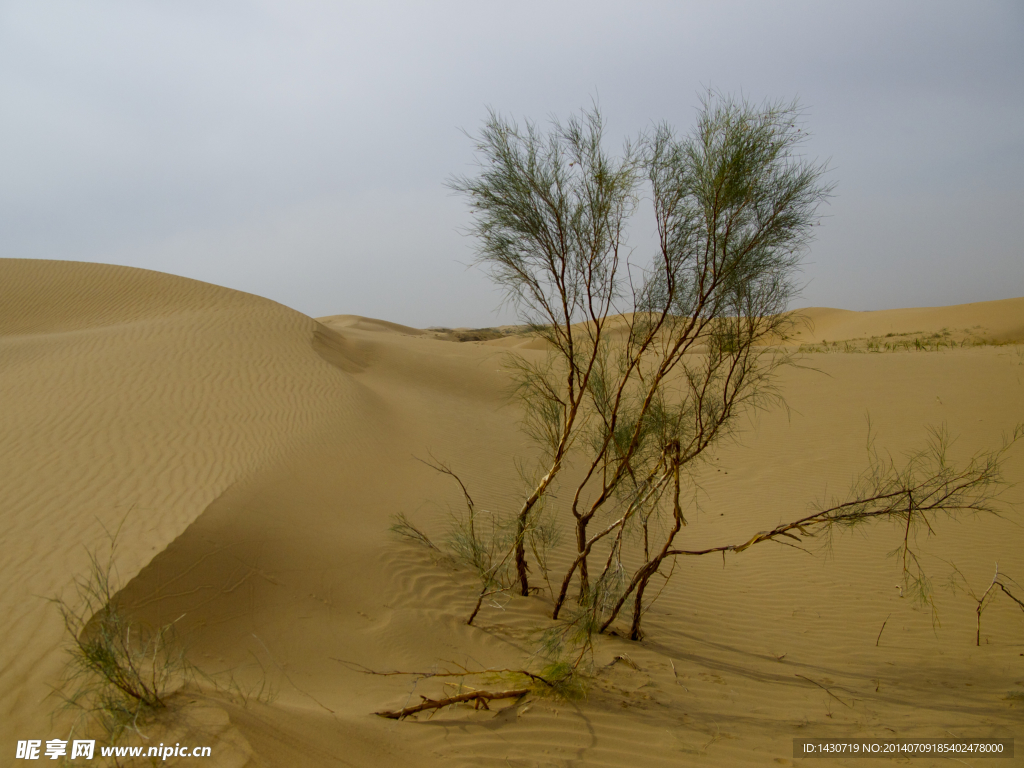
[479, 697]
[879, 638]
[460, 672]
[826, 689]
[628, 662]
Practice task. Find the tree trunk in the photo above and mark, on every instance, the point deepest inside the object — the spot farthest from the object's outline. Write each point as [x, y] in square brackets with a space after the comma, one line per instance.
[634, 630]
[521, 567]
[581, 548]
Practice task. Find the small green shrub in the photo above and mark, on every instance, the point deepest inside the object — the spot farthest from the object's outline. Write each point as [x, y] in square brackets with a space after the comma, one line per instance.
[120, 672]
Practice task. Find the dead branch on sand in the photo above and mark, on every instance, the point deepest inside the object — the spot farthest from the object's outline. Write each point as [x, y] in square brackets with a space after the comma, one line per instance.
[480, 698]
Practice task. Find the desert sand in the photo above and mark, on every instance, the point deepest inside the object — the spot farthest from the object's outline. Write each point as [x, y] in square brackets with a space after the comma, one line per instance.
[252, 460]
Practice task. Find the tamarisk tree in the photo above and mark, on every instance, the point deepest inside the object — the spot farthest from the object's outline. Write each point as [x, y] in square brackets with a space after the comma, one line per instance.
[653, 360]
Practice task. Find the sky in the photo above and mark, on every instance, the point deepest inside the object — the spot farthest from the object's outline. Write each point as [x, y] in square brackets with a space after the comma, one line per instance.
[299, 150]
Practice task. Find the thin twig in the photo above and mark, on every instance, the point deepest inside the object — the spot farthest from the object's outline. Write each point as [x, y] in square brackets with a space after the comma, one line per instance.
[462, 673]
[826, 690]
[480, 697]
[877, 639]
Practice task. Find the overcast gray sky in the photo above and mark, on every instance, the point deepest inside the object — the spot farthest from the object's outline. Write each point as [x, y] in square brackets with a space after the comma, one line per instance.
[298, 150]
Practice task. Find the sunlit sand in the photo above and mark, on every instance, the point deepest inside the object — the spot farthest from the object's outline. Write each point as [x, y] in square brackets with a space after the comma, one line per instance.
[251, 460]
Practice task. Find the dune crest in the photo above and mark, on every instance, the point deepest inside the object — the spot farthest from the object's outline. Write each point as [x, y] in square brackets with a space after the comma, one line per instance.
[368, 324]
[132, 399]
[994, 321]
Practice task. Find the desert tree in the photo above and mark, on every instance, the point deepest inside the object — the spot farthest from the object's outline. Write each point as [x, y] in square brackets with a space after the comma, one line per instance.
[733, 203]
[653, 360]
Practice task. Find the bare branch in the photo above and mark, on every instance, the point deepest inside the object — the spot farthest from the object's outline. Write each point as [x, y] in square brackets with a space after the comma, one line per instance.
[479, 697]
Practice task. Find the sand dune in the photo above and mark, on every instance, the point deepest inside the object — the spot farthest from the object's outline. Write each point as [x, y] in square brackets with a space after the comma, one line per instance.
[256, 458]
[131, 399]
[369, 324]
[990, 322]
[993, 321]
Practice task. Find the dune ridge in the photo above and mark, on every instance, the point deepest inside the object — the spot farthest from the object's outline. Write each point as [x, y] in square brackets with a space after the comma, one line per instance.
[993, 321]
[132, 400]
[979, 323]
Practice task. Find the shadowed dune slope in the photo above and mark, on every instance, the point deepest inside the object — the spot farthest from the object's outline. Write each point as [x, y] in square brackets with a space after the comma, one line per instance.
[132, 399]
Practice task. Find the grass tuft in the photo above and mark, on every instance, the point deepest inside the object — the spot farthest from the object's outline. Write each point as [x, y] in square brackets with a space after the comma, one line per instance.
[120, 672]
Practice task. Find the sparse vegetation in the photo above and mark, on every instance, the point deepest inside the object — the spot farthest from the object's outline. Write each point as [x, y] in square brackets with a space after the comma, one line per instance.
[916, 341]
[651, 364]
[1000, 583]
[477, 334]
[123, 680]
[120, 672]
[483, 542]
[734, 207]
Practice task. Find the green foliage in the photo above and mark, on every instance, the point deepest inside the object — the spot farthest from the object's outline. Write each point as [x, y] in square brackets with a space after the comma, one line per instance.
[564, 681]
[652, 361]
[733, 203]
[542, 536]
[479, 540]
[902, 342]
[405, 528]
[548, 210]
[120, 672]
